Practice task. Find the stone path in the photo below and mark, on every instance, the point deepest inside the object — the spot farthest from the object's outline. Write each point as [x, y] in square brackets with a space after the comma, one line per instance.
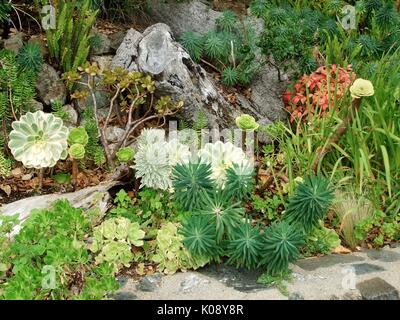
[370, 274]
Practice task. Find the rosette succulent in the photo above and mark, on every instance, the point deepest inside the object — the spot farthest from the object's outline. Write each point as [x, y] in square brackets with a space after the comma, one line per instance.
[151, 136]
[125, 154]
[362, 88]
[151, 165]
[78, 136]
[77, 151]
[38, 140]
[221, 156]
[155, 158]
[247, 122]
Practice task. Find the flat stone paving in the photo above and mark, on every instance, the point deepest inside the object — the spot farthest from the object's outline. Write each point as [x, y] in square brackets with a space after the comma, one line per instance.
[369, 275]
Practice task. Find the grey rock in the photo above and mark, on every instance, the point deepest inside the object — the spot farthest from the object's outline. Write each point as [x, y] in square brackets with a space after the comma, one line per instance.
[102, 97]
[15, 42]
[124, 295]
[242, 280]
[314, 263]
[190, 283]
[72, 115]
[114, 134]
[384, 255]
[364, 268]
[266, 94]
[116, 39]
[352, 295]
[296, 296]
[49, 86]
[185, 16]
[36, 105]
[156, 53]
[150, 283]
[104, 62]
[377, 289]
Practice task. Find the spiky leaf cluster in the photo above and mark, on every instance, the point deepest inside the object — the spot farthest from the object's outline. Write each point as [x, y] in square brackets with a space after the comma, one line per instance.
[94, 150]
[310, 203]
[5, 7]
[240, 180]
[230, 48]
[200, 237]
[193, 43]
[245, 246]
[30, 57]
[191, 182]
[17, 88]
[280, 246]
[226, 215]
[69, 42]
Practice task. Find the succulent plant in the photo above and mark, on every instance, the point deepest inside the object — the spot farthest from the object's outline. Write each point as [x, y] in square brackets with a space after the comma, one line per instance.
[190, 181]
[30, 57]
[221, 156]
[310, 203]
[155, 158]
[113, 240]
[199, 237]
[151, 165]
[151, 136]
[38, 140]
[78, 136]
[246, 122]
[171, 254]
[240, 180]
[125, 154]
[281, 246]
[77, 151]
[177, 152]
[244, 246]
[218, 207]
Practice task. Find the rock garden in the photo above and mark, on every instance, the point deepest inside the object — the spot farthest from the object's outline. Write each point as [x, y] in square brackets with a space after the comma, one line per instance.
[159, 149]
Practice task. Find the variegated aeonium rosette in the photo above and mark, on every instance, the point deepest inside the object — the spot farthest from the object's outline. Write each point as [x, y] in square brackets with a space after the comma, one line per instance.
[39, 140]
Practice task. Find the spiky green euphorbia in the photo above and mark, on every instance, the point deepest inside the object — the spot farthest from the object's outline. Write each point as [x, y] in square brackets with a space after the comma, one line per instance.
[199, 237]
[78, 136]
[221, 156]
[125, 154]
[218, 206]
[190, 182]
[280, 246]
[77, 151]
[244, 246]
[310, 203]
[38, 140]
[240, 180]
[30, 57]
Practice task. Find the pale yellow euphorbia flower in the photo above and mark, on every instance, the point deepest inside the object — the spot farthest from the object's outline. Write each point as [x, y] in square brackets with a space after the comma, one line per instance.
[362, 88]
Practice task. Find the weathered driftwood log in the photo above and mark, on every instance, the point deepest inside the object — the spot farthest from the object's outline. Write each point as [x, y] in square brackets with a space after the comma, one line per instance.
[88, 198]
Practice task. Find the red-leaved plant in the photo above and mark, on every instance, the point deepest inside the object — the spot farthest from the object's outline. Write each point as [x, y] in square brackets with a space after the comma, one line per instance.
[322, 93]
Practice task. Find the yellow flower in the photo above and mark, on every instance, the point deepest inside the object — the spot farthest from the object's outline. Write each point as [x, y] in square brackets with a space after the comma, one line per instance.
[362, 88]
